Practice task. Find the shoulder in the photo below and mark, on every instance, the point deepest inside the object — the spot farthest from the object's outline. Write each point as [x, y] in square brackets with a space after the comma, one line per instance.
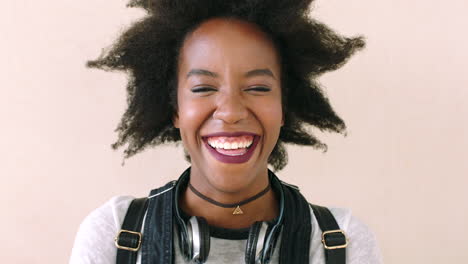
[362, 247]
[94, 242]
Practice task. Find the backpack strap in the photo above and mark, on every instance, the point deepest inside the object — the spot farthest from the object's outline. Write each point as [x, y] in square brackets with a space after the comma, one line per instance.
[128, 240]
[334, 239]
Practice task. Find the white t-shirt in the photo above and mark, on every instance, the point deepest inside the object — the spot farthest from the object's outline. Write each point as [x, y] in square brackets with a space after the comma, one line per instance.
[94, 242]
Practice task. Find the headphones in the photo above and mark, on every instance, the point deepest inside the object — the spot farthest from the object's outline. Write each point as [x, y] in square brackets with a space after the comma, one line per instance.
[194, 234]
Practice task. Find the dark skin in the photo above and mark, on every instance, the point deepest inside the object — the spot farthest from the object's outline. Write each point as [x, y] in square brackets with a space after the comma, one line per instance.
[229, 81]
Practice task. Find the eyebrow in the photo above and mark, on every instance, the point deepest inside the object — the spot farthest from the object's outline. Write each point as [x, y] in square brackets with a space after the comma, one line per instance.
[201, 72]
[252, 73]
[260, 72]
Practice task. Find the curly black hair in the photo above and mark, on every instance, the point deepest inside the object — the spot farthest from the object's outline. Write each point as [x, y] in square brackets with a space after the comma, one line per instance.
[148, 51]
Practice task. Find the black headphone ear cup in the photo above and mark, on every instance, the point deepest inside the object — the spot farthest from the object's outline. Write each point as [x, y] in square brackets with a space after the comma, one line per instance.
[255, 242]
[185, 240]
[200, 242]
[204, 229]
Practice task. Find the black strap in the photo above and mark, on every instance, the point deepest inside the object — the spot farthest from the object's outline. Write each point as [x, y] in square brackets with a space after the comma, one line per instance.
[336, 241]
[297, 227]
[128, 240]
[333, 238]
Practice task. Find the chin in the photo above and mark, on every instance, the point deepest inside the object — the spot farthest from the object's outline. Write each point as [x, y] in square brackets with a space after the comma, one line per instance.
[232, 177]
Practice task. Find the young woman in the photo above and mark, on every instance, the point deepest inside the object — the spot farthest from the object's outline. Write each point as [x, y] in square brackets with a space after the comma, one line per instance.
[233, 80]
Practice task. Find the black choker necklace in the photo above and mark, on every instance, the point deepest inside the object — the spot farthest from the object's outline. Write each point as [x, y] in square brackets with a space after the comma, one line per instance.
[238, 210]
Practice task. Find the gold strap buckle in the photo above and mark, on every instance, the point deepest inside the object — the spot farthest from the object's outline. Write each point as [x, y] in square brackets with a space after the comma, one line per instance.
[134, 249]
[324, 234]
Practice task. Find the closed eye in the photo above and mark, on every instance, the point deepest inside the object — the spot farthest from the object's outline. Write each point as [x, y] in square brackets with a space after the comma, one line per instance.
[202, 89]
[258, 89]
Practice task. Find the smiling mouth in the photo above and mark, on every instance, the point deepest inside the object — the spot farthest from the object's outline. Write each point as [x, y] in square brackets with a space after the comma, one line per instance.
[233, 147]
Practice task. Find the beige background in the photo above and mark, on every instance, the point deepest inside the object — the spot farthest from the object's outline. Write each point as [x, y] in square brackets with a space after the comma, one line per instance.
[402, 168]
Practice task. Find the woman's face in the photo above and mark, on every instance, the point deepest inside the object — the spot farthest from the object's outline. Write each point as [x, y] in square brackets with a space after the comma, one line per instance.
[229, 103]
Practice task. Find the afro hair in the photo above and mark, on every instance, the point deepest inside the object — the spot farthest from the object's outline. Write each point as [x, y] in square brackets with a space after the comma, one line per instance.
[148, 51]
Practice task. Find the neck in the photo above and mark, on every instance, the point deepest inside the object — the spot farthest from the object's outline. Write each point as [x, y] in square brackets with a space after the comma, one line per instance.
[262, 209]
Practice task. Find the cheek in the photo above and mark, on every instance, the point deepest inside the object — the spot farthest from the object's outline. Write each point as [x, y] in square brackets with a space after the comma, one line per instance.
[275, 121]
[191, 116]
[272, 119]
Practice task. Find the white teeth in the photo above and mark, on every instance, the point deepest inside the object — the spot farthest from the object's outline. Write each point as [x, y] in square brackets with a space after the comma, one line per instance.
[227, 145]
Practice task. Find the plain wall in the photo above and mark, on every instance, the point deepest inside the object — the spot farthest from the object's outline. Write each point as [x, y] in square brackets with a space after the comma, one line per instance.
[402, 168]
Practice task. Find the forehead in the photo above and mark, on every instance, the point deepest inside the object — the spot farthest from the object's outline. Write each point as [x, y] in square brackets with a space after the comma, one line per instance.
[228, 43]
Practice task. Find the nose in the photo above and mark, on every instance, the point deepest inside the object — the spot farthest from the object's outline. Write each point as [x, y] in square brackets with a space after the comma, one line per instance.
[230, 108]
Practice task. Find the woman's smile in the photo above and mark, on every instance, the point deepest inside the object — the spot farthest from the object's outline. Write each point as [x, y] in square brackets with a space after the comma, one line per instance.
[235, 147]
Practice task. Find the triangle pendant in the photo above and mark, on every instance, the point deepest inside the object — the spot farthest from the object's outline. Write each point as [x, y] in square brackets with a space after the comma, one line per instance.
[238, 211]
